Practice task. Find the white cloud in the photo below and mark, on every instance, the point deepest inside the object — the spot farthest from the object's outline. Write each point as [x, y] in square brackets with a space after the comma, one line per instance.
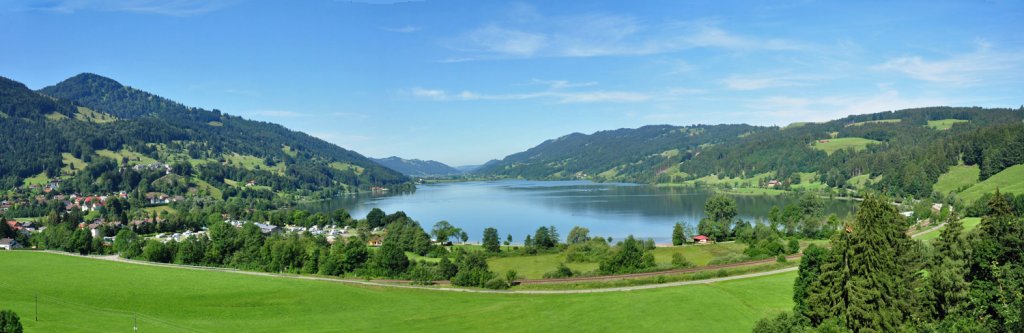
[562, 84]
[403, 29]
[161, 7]
[982, 65]
[757, 82]
[429, 93]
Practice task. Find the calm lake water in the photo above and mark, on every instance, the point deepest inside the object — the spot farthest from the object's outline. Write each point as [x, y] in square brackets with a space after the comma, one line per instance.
[519, 207]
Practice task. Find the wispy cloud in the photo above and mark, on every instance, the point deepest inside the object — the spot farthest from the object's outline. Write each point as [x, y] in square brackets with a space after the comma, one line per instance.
[562, 84]
[765, 81]
[160, 7]
[403, 29]
[782, 109]
[558, 96]
[559, 93]
[592, 35]
[981, 65]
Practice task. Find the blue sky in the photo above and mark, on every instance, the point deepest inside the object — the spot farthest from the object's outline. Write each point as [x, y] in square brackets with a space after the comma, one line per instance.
[463, 82]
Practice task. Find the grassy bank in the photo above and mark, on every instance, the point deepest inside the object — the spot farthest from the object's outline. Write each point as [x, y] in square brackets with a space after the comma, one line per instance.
[85, 295]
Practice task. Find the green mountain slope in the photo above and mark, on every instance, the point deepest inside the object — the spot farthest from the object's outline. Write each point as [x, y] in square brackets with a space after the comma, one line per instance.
[638, 155]
[59, 125]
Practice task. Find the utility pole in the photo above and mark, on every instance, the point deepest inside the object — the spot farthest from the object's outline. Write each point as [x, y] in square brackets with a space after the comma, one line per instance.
[37, 306]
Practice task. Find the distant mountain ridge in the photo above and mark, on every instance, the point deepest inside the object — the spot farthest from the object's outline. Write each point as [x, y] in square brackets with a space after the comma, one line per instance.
[416, 167]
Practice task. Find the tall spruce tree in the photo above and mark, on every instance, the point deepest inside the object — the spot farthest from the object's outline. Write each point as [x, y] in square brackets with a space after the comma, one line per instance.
[864, 281]
[996, 269]
[947, 289]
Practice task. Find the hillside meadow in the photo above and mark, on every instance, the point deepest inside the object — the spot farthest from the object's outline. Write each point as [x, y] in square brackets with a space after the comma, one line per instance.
[86, 295]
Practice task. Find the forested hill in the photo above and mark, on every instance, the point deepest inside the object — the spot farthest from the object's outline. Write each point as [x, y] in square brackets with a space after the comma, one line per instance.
[88, 128]
[902, 152]
[417, 168]
[637, 155]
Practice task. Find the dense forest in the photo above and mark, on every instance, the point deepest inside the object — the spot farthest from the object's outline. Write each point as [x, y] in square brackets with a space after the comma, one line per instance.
[81, 117]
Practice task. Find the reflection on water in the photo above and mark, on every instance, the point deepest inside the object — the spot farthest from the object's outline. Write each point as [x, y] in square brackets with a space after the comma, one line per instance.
[519, 207]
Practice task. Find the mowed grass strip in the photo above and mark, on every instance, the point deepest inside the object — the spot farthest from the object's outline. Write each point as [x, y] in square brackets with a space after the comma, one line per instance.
[832, 145]
[87, 295]
[1010, 180]
[958, 177]
[534, 267]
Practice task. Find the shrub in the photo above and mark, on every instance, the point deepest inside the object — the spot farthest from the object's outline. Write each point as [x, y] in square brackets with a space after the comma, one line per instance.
[563, 271]
[780, 258]
[422, 274]
[496, 283]
[593, 250]
[629, 258]
[679, 261]
[9, 322]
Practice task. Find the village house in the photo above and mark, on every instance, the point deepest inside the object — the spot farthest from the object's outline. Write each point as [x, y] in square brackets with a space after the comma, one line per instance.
[701, 239]
[9, 244]
[269, 229]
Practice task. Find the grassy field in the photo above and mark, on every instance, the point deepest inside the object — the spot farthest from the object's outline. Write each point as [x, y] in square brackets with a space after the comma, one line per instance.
[862, 181]
[84, 295]
[534, 267]
[809, 181]
[944, 124]
[1010, 180]
[843, 143]
[160, 210]
[250, 162]
[883, 121]
[133, 157]
[960, 176]
[87, 114]
[69, 160]
[39, 179]
[969, 224]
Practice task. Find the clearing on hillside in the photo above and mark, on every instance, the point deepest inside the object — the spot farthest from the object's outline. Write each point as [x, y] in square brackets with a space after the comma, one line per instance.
[1010, 180]
[87, 295]
[832, 145]
[944, 124]
[883, 121]
[957, 178]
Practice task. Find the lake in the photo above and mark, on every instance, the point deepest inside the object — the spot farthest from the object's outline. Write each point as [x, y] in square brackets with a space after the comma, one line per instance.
[519, 207]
